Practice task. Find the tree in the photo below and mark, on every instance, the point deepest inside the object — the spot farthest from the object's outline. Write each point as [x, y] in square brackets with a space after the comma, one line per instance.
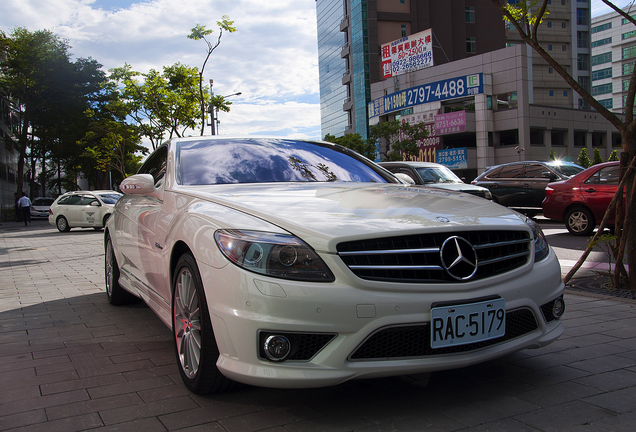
[355, 143]
[163, 104]
[552, 154]
[584, 159]
[613, 156]
[597, 159]
[199, 33]
[526, 16]
[400, 138]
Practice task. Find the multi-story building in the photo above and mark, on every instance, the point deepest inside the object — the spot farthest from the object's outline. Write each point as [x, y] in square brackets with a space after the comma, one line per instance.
[350, 61]
[613, 57]
[565, 35]
[460, 29]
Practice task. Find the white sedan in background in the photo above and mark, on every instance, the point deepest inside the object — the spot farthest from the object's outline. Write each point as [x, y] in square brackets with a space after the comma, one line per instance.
[82, 209]
[290, 263]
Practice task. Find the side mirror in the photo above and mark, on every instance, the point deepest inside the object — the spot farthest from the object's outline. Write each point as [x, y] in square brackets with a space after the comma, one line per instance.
[95, 204]
[138, 184]
[549, 175]
[404, 178]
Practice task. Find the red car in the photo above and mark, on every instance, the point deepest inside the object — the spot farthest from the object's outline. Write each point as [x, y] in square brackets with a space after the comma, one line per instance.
[582, 200]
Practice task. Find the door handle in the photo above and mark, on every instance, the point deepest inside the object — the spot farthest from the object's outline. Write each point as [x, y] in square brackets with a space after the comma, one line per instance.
[590, 190]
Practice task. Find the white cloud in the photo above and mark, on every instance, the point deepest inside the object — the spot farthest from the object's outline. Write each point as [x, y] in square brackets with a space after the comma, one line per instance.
[272, 58]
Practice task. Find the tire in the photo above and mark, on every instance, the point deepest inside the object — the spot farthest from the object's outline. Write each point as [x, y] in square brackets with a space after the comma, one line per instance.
[193, 336]
[114, 292]
[62, 224]
[580, 221]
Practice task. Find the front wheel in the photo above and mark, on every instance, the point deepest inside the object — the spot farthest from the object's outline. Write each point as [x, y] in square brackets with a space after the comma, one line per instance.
[193, 336]
[580, 221]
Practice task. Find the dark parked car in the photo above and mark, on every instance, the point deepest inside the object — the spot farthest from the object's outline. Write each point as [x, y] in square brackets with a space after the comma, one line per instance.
[435, 175]
[582, 200]
[521, 185]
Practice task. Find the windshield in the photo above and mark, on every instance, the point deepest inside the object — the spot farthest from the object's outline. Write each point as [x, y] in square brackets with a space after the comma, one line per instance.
[438, 175]
[566, 169]
[266, 160]
[43, 201]
[110, 198]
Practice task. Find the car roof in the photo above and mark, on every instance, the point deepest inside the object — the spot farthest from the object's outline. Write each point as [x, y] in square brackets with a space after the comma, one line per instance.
[412, 164]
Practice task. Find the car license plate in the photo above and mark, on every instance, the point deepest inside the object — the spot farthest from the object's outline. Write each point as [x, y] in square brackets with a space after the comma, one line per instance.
[468, 323]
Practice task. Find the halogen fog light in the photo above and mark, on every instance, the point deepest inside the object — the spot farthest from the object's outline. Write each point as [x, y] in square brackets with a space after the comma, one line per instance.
[558, 307]
[277, 347]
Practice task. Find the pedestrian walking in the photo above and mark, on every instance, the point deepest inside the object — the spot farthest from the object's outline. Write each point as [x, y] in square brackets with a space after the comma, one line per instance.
[25, 207]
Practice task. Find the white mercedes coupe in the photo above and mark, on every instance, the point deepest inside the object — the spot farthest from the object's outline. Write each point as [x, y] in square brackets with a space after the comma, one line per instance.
[291, 263]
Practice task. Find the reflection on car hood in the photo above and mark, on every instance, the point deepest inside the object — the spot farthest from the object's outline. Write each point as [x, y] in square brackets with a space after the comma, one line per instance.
[457, 187]
[326, 213]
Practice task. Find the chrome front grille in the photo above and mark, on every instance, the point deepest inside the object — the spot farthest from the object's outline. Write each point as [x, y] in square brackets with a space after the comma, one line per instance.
[417, 258]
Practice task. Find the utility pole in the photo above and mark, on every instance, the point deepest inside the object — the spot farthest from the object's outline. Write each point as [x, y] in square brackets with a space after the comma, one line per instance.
[211, 109]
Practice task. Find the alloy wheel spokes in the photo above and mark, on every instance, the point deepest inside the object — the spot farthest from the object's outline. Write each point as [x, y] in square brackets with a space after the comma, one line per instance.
[187, 323]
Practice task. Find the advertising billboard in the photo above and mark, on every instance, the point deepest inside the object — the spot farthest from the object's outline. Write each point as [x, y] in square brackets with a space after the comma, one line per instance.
[452, 88]
[407, 54]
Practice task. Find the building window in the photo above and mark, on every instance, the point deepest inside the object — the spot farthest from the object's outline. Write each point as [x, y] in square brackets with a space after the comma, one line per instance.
[471, 45]
[470, 14]
[628, 68]
[551, 92]
[549, 70]
[626, 21]
[581, 16]
[601, 89]
[629, 52]
[582, 40]
[564, 47]
[607, 103]
[601, 27]
[625, 85]
[549, 24]
[601, 74]
[628, 35]
[602, 58]
[403, 29]
[565, 93]
[564, 24]
[584, 82]
[601, 42]
[583, 62]
[402, 1]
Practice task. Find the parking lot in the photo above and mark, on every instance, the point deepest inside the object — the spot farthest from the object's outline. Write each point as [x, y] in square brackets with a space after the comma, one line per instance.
[69, 361]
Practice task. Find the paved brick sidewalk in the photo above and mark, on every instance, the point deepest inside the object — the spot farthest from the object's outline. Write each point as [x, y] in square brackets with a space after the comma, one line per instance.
[69, 361]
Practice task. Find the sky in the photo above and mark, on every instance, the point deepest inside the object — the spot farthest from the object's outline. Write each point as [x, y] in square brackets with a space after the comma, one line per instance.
[272, 59]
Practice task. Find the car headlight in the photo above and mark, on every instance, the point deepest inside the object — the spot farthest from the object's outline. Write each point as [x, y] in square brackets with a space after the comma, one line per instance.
[541, 247]
[276, 255]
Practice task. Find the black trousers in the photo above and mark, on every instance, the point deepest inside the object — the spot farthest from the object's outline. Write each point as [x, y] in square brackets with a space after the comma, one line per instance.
[26, 214]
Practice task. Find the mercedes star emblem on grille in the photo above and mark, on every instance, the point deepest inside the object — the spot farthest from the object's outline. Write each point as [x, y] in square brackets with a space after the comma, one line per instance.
[459, 258]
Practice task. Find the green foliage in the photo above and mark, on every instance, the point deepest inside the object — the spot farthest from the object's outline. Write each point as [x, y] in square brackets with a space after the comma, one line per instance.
[583, 159]
[552, 154]
[401, 138]
[355, 143]
[163, 104]
[525, 11]
[597, 159]
[613, 156]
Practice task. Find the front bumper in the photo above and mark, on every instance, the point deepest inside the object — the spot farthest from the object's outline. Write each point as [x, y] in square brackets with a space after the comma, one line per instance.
[243, 304]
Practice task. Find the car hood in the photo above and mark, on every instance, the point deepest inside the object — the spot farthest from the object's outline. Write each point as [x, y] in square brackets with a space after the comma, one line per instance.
[324, 214]
[457, 187]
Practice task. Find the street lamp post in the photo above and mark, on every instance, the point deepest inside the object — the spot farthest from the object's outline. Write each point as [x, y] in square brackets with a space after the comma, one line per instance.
[214, 110]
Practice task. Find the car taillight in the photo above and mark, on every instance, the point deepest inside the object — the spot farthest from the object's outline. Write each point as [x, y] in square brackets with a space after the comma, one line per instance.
[50, 212]
[548, 191]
